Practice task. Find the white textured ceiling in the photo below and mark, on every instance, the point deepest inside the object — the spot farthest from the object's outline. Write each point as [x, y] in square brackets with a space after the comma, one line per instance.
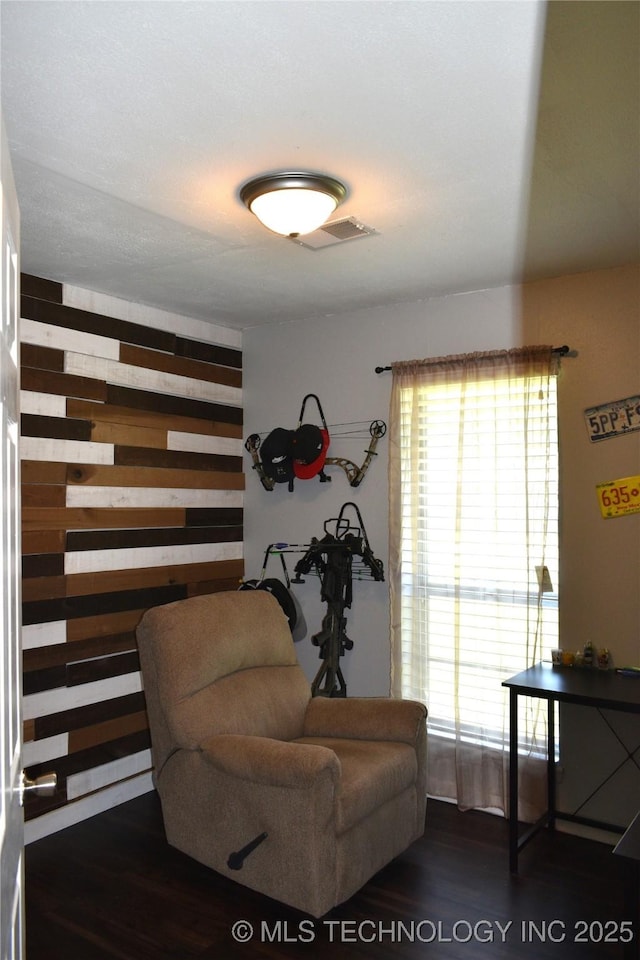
[485, 142]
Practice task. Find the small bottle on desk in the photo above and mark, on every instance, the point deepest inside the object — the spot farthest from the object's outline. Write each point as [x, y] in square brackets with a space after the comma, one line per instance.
[588, 654]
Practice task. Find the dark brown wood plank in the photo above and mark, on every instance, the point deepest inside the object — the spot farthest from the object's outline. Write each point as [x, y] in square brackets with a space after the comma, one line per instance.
[100, 668]
[31, 286]
[62, 316]
[41, 658]
[181, 406]
[56, 428]
[174, 459]
[41, 358]
[118, 539]
[70, 608]
[183, 367]
[76, 672]
[77, 717]
[45, 565]
[63, 384]
[226, 356]
[209, 516]
[37, 681]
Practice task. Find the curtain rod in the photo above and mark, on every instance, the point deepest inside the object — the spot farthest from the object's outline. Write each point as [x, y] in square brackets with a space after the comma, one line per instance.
[561, 351]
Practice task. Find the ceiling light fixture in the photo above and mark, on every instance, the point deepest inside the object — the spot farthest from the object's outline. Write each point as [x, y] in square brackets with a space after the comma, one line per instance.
[292, 204]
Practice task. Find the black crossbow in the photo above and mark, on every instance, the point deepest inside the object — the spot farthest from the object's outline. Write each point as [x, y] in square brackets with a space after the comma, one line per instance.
[355, 474]
[332, 558]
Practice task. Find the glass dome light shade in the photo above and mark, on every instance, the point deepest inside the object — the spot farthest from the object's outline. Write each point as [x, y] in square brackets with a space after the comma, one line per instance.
[293, 204]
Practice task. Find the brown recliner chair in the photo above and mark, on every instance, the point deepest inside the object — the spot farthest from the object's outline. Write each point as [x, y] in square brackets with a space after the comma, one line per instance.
[300, 798]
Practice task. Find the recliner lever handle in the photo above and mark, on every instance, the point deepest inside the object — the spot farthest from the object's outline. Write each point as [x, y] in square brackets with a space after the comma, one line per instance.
[236, 860]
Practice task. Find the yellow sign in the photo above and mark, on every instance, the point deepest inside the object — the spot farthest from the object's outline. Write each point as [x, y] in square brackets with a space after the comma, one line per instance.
[619, 497]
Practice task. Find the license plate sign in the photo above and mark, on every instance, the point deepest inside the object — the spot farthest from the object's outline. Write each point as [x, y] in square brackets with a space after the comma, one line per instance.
[618, 498]
[613, 419]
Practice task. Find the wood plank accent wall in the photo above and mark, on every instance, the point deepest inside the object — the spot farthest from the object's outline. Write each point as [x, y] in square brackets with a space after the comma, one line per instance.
[132, 496]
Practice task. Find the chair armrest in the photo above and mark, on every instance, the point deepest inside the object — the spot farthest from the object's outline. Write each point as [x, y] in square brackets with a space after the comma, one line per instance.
[365, 718]
[262, 760]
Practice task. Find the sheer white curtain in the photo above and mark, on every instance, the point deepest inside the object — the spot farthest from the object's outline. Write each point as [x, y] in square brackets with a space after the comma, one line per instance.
[473, 571]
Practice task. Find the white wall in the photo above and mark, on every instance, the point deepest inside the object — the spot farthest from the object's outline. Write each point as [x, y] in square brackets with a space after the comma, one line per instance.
[596, 314]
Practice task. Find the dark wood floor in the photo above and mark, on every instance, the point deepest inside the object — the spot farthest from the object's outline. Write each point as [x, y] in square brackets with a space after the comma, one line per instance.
[111, 888]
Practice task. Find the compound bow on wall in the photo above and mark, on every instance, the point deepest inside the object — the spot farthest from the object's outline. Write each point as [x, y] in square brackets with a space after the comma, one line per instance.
[355, 473]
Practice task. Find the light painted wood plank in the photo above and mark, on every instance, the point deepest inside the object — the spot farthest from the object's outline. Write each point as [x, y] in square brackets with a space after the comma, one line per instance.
[111, 413]
[89, 496]
[87, 807]
[99, 476]
[65, 451]
[150, 316]
[43, 404]
[125, 375]
[134, 558]
[89, 518]
[44, 634]
[88, 781]
[64, 338]
[197, 443]
[39, 751]
[68, 698]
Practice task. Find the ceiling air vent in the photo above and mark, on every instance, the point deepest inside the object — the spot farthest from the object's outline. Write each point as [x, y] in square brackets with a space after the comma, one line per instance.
[334, 232]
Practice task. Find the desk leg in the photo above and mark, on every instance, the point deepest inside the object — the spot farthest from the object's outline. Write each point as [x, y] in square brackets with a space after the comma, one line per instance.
[513, 780]
[632, 906]
[551, 764]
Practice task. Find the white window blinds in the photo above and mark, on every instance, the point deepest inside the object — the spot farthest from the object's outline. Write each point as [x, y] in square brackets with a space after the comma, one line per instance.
[474, 540]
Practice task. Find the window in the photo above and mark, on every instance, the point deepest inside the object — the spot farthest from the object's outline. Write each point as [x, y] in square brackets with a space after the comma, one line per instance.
[474, 537]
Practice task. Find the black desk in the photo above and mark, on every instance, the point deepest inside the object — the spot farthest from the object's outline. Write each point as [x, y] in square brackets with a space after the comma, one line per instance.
[604, 689]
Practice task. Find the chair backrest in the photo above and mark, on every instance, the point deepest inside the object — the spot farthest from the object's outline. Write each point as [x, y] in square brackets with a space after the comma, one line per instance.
[220, 663]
